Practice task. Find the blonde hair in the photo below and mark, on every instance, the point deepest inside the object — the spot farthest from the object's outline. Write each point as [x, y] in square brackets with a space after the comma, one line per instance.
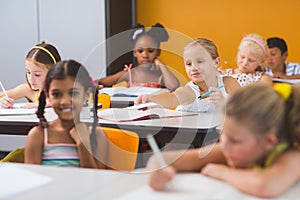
[208, 45]
[259, 46]
[259, 107]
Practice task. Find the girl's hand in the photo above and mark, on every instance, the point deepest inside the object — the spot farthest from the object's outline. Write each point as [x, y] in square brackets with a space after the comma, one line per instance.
[214, 170]
[159, 179]
[30, 105]
[157, 64]
[7, 102]
[216, 97]
[143, 99]
[80, 133]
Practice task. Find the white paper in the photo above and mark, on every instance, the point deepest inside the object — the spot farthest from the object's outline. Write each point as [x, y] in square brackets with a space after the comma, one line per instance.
[132, 90]
[189, 186]
[17, 111]
[15, 180]
[290, 81]
[125, 114]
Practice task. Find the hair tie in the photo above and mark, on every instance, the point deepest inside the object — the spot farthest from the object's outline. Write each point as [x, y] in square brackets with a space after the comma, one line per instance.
[137, 32]
[92, 82]
[256, 41]
[283, 89]
[47, 51]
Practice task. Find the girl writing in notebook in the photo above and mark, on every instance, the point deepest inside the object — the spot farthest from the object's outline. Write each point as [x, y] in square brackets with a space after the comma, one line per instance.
[38, 61]
[258, 152]
[251, 59]
[201, 60]
[150, 71]
[66, 141]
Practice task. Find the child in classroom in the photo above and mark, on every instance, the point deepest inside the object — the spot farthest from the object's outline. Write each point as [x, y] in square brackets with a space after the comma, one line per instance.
[258, 152]
[277, 65]
[66, 141]
[37, 61]
[201, 59]
[150, 70]
[251, 58]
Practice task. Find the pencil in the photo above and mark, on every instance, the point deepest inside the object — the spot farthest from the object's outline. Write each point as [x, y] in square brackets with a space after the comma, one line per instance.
[3, 89]
[156, 151]
[209, 92]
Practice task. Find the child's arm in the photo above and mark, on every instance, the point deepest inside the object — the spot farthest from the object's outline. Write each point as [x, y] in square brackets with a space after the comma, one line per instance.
[112, 79]
[185, 160]
[170, 81]
[269, 182]
[266, 79]
[80, 133]
[16, 93]
[34, 146]
[182, 96]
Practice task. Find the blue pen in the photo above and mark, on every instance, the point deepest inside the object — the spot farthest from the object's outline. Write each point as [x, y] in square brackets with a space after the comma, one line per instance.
[209, 92]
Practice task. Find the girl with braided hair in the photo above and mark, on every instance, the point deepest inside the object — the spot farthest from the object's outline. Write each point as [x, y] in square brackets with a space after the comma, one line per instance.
[66, 141]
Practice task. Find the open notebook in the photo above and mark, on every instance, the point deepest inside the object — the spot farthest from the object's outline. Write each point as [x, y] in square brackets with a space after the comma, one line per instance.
[17, 111]
[134, 113]
[131, 91]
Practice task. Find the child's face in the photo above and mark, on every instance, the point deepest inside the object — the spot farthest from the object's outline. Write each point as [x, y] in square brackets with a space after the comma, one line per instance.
[199, 65]
[145, 50]
[275, 58]
[35, 74]
[241, 147]
[67, 97]
[248, 60]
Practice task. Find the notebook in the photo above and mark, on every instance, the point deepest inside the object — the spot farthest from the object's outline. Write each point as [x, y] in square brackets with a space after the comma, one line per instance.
[290, 81]
[17, 111]
[137, 113]
[122, 91]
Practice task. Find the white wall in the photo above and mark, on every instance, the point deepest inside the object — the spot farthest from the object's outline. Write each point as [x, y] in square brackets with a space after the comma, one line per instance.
[75, 27]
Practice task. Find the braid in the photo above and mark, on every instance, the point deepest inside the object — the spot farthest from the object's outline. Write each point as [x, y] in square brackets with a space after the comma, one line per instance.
[93, 138]
[41, 110]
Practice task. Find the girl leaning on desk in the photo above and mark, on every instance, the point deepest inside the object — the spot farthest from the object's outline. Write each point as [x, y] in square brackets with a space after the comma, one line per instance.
[201, 59]
[66, 141]
[150, 71]
[37, 61]
[258, 152]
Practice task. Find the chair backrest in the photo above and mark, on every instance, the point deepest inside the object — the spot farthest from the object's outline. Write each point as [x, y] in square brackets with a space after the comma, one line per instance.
[122, 149]
[16, 156]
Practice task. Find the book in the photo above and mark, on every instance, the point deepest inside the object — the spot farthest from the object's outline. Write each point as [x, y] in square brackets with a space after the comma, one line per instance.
[122, 91]
[290, 81]
[17, 111]
[135, 113]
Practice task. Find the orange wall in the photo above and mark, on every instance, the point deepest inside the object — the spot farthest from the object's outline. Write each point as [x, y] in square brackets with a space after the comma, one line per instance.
[224, 22]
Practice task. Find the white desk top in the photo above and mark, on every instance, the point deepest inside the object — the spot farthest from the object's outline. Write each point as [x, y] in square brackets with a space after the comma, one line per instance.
[200, 121]
[74, 183]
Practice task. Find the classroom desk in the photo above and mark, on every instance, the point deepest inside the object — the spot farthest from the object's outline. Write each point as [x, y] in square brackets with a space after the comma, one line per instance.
[171, 133]
[121, 102]
[90, 184]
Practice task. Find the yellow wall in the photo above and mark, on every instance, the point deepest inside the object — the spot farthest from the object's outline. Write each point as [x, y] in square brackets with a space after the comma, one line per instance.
[224, 22]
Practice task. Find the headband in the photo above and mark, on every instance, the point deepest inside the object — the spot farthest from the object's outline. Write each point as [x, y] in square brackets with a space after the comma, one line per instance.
[47, 51]
[283, 89]
[257, 42]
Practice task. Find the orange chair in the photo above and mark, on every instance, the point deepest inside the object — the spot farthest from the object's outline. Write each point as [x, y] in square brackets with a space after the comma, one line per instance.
[122, 149]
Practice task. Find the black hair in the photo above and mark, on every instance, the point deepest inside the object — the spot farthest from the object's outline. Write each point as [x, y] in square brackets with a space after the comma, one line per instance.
[78, 72]
[157, 32]
[277, 42]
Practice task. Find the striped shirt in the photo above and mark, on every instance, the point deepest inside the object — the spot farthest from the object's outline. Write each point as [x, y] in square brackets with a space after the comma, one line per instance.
[291, 68]
[65, 155]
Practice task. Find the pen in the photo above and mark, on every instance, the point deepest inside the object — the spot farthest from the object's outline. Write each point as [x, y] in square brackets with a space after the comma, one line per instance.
[156, 151]
[3, 89]
[209, 92]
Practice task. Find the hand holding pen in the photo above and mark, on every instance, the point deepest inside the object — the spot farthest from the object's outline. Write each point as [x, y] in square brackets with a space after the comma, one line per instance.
[5, 101]
[211, 90]
[160, 178]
